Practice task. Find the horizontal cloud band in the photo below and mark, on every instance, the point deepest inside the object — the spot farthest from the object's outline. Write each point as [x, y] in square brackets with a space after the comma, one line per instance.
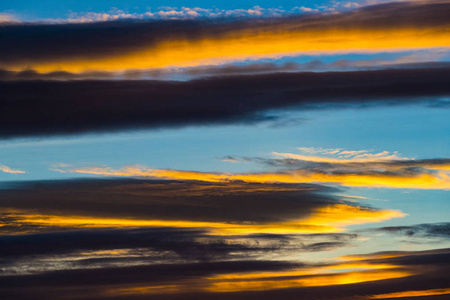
[117, 46]
[39, 108]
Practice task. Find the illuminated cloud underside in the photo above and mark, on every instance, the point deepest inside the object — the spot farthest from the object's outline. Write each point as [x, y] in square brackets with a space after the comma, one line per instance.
[244, 47]
[323, 220]
[263, 281]
[406, 294]
[384, 28]
[438, 180]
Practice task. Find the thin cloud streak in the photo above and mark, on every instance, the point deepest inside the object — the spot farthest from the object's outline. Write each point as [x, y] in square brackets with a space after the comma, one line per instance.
[408, 62]
[412, 174]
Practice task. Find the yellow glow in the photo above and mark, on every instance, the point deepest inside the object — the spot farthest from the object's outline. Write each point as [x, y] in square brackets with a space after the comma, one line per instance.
[437, 180]
[318, 280]
[251, 44]
[434, 292]
[261, 281]
[240, 282]
[327, 219]
[368, 266]
[304, 271]
[372, 256]
[342, 215]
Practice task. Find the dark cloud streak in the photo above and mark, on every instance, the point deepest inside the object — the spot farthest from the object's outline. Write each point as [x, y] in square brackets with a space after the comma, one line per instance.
[42, 108]
[168, 200]
[433, 230]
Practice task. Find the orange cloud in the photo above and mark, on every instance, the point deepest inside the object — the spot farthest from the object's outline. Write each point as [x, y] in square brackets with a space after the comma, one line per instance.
[406, 294]
[251, 44]
[318, 280]
[328, 219]
[262, 281]
[436, 180]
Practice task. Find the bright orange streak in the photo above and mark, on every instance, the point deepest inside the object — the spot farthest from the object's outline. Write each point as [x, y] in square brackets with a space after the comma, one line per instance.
[252, 44]
[438, 180]
[374, 256]
[434, 292]
[328, 219]
[232, 282]
[319, 280]
[304, 271]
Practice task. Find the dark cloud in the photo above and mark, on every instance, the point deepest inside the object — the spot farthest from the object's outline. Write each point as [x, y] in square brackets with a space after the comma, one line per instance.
[389, 167]
[347, 164]
[89, 280]
[233, 202]
[28, 43]
[35, 247]
[434, 230]
[107, 248]
[382, 169]
[223, 70]
[39, 108]
[173, 240]
[425, 268]
[325, 246]
[158, 244]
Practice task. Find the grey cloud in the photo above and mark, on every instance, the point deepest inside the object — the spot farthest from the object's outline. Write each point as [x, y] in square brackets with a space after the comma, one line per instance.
[43, 108]
[433, 230]
[233, 202]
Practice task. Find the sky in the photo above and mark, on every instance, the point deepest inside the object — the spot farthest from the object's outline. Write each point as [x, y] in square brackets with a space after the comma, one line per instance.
[224, 150]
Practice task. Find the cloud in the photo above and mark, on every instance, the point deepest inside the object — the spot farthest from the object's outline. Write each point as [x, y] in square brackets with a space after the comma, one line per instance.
[99, 106]
[380, 170]
[109, 248]
[343, 156]
[339, 166]
[229, 159]
[122, 45]
[249, 68]
[409, 294]
[7, 18]
[224, 208]
[171, 13]
[7, 169]
[434, 230]
[261, 279]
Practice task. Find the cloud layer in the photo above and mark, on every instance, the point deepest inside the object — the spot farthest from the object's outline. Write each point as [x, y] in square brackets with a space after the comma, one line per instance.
[351, 168]
[121, 45]
[222, 208]
[39, 108]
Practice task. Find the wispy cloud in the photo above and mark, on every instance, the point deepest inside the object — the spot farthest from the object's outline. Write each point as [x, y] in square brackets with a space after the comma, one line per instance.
[343, 156]
[7, 169]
